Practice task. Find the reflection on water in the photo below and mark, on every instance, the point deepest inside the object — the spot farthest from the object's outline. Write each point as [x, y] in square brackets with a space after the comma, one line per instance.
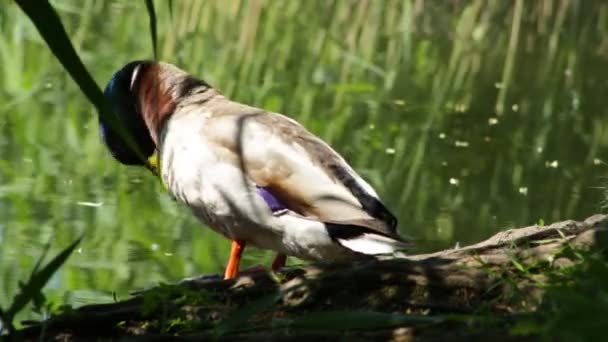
[468, 118]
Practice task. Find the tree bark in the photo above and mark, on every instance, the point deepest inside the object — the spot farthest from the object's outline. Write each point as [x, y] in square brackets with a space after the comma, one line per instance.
[484, 277]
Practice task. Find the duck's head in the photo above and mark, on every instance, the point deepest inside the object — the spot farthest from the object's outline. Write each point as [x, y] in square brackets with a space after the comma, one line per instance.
[143, 95]
[120, 91]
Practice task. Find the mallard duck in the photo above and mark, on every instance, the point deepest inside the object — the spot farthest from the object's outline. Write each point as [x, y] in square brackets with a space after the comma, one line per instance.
[258, 178]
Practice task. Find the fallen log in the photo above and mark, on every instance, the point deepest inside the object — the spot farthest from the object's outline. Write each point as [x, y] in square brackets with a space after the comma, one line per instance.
[427, 297]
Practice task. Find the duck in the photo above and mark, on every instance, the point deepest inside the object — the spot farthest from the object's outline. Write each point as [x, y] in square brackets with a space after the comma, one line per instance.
[257, 177]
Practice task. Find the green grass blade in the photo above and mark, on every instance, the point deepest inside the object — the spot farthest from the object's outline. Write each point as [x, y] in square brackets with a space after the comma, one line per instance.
[38, 279]
[152, 17]
[45, 250]
[49, 25]
[6, 322]
[170, 5]
[519, 266]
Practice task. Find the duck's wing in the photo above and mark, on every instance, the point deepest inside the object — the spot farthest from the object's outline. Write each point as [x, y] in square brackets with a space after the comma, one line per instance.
[301, 171]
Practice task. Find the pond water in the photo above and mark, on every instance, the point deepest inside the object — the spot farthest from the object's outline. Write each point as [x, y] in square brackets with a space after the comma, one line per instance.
[468, 117]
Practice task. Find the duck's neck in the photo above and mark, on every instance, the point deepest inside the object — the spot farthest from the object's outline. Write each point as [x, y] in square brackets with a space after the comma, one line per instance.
[161, 88]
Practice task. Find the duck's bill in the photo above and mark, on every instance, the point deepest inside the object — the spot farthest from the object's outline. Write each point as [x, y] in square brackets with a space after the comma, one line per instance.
[152, 163]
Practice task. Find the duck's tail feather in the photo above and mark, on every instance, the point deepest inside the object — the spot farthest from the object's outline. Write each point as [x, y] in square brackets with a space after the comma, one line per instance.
[366, 241]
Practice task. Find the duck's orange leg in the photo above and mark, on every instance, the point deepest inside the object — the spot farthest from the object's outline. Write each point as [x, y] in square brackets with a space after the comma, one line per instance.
[236, 250]
[279, 261]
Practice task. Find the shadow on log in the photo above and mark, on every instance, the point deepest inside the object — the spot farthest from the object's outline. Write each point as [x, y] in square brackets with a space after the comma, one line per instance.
[442, 296]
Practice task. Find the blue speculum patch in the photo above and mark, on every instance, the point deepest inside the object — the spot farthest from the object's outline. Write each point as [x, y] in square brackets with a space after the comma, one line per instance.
[271, 200]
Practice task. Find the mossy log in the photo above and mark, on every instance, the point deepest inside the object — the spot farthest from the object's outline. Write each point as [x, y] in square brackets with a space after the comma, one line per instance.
[399, 299]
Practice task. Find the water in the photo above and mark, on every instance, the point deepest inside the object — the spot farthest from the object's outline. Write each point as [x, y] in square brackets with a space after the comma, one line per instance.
[468, 118]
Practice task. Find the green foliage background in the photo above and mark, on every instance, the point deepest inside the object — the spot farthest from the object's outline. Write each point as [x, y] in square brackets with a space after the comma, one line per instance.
[467, 116]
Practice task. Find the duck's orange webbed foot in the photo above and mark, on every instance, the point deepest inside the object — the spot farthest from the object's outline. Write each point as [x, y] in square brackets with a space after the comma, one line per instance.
[236, 251]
